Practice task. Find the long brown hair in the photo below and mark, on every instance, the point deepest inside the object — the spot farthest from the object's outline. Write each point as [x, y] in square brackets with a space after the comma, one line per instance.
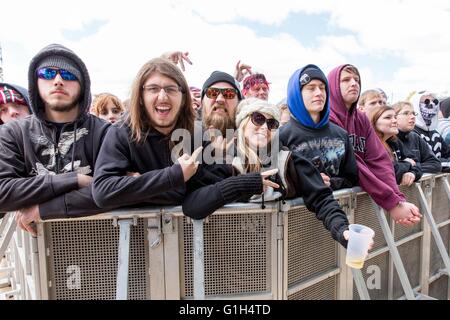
[373, 117]
[139, 121]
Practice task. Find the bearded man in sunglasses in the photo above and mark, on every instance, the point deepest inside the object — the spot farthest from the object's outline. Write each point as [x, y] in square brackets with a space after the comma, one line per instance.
[220, 97]
[47, 159]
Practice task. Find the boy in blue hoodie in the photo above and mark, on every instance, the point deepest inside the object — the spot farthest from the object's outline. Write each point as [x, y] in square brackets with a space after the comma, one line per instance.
[312, 135]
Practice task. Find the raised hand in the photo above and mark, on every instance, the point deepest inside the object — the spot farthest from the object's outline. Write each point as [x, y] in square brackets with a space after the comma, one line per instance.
[241, 71]
[189, 164]
[178, 57]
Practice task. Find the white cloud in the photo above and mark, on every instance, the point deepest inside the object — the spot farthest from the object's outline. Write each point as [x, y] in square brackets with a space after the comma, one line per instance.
[135, 31]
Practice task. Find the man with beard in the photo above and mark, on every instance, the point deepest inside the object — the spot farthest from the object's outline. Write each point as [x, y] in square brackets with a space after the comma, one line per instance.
[47, 159]
[220, 97]
[143, 145]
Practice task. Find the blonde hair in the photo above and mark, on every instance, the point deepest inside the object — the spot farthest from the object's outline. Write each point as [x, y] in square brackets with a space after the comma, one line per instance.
[101, 101]
[249, 158]
[367, 95]
[398, 106]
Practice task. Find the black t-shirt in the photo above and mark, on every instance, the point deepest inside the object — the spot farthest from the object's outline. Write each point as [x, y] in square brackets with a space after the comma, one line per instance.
[59, 126]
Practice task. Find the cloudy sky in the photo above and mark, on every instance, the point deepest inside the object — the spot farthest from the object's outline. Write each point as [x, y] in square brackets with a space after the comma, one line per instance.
[398, 45]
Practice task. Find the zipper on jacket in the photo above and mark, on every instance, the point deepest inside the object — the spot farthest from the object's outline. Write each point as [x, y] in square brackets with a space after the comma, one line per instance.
[56, 158]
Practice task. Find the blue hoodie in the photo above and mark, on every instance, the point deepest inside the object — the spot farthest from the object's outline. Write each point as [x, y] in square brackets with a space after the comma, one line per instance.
[325, 144]
[296, 104]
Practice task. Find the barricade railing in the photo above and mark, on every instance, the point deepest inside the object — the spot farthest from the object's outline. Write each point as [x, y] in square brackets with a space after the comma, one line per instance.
[242, 251]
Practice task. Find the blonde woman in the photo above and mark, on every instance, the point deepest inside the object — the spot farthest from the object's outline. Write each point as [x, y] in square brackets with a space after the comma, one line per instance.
[257, 122]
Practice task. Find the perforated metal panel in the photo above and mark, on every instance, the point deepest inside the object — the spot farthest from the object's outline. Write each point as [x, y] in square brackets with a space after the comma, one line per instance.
[410, 255]
[237, 253]
[412, 195]
[441, 203]
[438, 288]
[311, 249]
[365, 214]
[89, 249]
[436, 261]
[323, 290]
[377, 267]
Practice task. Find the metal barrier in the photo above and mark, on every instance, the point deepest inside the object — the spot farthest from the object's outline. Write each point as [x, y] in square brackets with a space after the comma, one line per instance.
[239, 252]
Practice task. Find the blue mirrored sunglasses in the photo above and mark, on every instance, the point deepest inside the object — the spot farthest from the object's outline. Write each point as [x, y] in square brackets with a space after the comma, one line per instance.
[50, 73]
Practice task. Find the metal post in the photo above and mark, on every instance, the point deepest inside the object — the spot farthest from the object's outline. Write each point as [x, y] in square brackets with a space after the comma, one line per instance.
[6, 239]
[409, 293]
[123, 259]
[360, 284]
[199, 260]
[434, 230]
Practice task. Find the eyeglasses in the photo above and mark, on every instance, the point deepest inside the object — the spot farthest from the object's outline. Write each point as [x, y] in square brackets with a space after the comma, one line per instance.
[50, 74]
[155, 89]
[427, 101]
[228, 93]
[259, 119]
[408, 113]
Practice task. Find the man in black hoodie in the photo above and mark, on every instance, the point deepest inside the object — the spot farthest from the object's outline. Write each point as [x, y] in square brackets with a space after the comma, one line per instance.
[47, 160]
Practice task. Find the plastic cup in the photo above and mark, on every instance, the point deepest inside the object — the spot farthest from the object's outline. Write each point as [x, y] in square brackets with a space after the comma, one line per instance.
[359, 240]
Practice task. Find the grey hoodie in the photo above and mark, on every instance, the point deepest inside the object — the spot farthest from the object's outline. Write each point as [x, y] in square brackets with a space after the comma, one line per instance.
[37, 169]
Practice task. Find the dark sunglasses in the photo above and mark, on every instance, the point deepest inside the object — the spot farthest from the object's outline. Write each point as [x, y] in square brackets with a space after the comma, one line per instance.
[50, 74]
[427, 101]
[228, 93]
[259, 119]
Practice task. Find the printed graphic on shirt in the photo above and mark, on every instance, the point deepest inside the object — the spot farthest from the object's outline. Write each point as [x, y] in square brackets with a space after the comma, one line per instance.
[60, 157]
[434, 143]
[325, 153]
[358, 143]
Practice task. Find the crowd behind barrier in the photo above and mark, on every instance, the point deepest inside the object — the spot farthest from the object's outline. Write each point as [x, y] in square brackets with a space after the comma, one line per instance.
[279, 252]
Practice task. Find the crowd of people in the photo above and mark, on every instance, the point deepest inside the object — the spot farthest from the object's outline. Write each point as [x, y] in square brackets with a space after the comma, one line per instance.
[63, 155]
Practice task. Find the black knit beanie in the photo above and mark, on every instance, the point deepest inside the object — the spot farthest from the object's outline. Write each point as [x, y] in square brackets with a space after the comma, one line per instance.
[310, 74]
[219, 76]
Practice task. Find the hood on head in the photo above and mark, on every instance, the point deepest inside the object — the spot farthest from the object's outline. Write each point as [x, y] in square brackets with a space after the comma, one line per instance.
[296, 104]
[21, 90]
[36, 103]
[338, 109]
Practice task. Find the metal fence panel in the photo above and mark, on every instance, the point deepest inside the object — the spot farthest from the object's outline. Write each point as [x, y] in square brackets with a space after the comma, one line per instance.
[83, 260]
[237, 252]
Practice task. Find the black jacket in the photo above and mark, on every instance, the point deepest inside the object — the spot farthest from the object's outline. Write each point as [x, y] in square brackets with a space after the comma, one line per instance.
[161, 182]
[436, 143]
[400, 165]
[37, 169]
[420, 151]
[302, 180]
[328, 148]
